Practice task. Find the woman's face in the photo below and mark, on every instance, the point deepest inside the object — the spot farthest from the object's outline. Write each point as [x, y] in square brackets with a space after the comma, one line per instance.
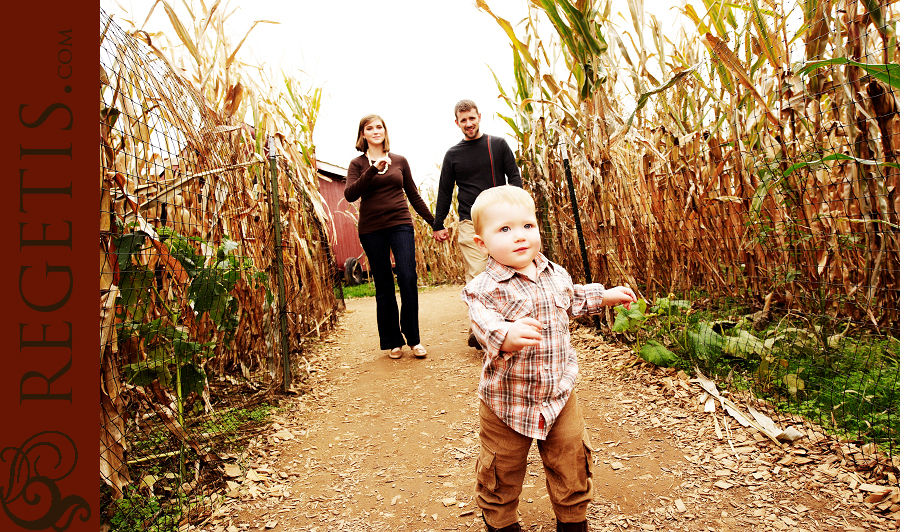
[374, 133]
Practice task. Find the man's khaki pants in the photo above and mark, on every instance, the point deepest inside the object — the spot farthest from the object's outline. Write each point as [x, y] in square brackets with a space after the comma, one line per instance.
[500, 470]
[475, 260]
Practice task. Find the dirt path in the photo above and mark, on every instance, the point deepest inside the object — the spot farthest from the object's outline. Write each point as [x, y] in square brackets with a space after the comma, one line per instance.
[390, 445]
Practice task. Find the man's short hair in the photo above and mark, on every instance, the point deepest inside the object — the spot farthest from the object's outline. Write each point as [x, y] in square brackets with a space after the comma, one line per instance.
[502, 195]
[462, 106]
[361, 144]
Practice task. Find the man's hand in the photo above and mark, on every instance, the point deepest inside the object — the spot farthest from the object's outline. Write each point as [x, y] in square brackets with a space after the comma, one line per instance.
[522, 333]
[441, 235]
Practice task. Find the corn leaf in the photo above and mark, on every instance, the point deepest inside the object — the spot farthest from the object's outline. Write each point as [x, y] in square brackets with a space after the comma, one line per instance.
[507, 27]
[255, 22]
[209, 15]
[716, 10]
[733, 64]
[645, 97]
[888, 74]
[691, 13]
[877, 15]
[182, 32]
[771, 47]
[839, 157]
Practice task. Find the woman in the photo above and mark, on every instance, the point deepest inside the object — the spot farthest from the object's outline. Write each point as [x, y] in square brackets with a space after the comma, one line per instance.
[381, 178]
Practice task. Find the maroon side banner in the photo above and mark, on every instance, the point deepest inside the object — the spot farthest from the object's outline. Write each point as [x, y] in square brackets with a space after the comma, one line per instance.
[49, 382]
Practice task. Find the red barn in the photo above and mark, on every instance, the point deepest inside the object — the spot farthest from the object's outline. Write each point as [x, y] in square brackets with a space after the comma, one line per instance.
[344, 238]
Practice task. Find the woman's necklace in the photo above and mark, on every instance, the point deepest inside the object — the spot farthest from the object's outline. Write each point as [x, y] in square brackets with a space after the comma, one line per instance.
[372, 162]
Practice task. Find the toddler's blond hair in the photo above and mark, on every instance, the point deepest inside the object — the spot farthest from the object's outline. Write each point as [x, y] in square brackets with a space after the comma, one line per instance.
[502, 195]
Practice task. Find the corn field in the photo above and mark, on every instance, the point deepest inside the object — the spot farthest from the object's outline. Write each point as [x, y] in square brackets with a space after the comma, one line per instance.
[215, 268]
[748, 190]
[740, 175]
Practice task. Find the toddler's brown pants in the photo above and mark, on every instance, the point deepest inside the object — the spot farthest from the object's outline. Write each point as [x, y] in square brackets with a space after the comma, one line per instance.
[500, 470]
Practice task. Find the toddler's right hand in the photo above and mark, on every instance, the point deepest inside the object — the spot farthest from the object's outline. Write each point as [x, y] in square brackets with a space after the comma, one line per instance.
[522, 333]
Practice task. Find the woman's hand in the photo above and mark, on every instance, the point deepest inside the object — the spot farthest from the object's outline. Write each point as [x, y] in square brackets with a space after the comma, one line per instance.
[382, 163]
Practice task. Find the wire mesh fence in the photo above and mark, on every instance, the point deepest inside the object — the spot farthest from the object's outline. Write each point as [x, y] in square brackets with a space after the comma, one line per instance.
[215, 270]
[752, 199]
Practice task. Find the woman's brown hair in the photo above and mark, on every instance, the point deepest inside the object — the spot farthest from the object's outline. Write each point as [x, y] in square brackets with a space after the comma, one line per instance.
[361, 144]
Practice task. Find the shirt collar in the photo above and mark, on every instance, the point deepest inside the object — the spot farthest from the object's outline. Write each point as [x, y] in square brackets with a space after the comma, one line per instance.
[501, 272]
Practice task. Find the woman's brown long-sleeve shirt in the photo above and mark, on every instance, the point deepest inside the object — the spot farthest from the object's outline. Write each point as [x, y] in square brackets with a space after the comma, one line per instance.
[383, 202]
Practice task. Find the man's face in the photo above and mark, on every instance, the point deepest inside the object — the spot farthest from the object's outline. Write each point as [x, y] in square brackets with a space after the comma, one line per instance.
[468, 122]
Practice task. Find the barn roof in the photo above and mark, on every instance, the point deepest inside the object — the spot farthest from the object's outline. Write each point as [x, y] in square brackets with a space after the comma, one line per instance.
[331, 171]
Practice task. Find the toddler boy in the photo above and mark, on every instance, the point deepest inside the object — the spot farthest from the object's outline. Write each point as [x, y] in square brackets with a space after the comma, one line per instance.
[519, 308]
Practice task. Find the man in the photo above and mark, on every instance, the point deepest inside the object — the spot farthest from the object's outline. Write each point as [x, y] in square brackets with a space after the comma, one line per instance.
[477, 163]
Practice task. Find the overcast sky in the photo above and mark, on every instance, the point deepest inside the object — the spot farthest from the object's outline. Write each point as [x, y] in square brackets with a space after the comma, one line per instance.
[409, 61]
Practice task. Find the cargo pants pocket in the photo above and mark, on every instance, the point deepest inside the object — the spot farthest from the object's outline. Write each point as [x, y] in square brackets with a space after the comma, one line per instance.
[588, 454]
[485, 469]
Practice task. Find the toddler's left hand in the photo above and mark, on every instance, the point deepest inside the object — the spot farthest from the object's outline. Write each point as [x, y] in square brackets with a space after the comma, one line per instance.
[619, 295]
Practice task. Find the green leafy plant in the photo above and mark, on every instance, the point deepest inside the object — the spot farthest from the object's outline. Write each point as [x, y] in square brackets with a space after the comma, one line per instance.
[633, 320]
[656, 353]
[166, 342]
[168, 354]
[668, 306]
[232, 421]
[630, 319]
[817, 370]
[213, 278]
[135, 509]
[705, 343]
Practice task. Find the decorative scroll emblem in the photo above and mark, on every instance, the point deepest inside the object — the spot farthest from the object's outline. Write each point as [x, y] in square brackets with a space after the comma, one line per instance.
[31, 497]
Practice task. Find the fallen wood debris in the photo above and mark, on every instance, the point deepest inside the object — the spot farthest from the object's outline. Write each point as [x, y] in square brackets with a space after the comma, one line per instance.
[767, 427]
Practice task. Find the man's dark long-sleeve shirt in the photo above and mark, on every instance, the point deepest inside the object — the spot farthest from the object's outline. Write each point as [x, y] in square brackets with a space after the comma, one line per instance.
[468, 166]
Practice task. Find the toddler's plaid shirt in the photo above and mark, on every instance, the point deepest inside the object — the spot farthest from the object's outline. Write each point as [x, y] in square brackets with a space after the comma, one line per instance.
[521, 386]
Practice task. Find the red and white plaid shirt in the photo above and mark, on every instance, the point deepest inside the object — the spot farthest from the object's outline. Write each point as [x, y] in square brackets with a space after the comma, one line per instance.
[521, 386]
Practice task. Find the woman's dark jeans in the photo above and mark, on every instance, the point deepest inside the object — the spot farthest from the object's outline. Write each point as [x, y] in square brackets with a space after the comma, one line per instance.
[378, 246]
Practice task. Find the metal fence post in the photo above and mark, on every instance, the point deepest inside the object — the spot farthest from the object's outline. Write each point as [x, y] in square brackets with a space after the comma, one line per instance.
[279, 264]
[584, 257]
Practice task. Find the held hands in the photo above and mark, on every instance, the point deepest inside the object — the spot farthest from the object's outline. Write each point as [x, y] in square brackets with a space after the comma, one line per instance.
[619, 295]
[522, 333]
[442, 235]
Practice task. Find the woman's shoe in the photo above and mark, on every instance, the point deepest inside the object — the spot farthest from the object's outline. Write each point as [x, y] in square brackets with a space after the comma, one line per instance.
[395, 353]
[419, 351]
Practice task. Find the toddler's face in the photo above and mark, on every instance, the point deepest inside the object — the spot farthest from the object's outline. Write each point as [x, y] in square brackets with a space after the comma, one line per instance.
[510, 235]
